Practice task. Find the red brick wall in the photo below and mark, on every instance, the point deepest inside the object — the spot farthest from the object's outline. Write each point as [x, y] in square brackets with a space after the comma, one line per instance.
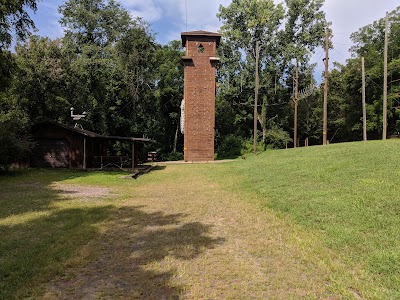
[199, 97]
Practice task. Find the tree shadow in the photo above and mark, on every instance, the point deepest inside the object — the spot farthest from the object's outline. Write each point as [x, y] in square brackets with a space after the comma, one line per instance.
[29, 191]
[129, 255]
[127, 260]
[33, 251]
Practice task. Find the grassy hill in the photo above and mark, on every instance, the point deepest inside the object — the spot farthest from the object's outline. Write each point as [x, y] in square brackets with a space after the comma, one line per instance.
[346, 195]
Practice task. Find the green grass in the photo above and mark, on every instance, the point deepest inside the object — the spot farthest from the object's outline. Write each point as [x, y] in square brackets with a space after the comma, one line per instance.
[305, 223]
[41, 230]
[347, 195]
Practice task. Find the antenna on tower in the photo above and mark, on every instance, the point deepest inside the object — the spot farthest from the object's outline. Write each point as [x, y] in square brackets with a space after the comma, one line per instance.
[77, 118]
[186, 14]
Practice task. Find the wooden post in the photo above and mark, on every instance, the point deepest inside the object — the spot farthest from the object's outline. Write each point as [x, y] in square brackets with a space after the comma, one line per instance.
[325, 117]
[363, 101]
[296, 103]
[256, 102]
[84, 153]
[385, 69]
[133, 155]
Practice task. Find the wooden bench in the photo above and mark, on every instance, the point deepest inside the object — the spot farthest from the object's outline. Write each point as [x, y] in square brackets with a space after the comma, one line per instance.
[151, 156]
[110, 161]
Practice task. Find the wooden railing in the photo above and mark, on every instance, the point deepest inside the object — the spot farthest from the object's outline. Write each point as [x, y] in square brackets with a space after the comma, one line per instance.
[111, 161]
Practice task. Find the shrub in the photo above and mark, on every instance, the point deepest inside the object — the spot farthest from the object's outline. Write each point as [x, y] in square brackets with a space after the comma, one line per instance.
[172, 156]
[14, 141]
[248, 146]
[229, 146]
[277, 138]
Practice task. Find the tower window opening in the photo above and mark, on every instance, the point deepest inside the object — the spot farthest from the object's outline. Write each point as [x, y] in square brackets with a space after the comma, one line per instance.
[200, 48]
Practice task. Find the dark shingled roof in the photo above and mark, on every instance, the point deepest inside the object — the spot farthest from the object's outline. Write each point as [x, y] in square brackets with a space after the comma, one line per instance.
[96, 135]
[200, 33]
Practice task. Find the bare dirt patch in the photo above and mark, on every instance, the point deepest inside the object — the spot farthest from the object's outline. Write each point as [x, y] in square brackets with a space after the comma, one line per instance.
[81, 191]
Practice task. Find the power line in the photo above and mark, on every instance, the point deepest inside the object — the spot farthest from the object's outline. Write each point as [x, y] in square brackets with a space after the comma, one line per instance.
[340, 53]
[374, 83]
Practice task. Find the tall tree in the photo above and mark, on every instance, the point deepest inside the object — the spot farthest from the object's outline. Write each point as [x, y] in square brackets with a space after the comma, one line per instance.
[97, 34]
[245, 23]
[13, 122]
[304, 32]
[98, 22]
[41, 89]
[287, 34]
[346, 82]
[14, 17]
[169, 93]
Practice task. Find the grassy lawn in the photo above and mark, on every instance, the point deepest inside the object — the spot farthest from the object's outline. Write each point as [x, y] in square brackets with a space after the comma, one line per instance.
[346, 195]
[306, 223]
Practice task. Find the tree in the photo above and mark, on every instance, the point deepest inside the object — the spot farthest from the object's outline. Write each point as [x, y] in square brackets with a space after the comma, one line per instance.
[345, 84]
[14, 140]
[13, 123]
[244, 24]
[169, 93]
[108, 51]
[304, 32]
[41, 89]
[13, 17]
[98, 22]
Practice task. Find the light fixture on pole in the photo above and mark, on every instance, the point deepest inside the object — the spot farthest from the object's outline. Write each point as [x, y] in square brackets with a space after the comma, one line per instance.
[77, 118]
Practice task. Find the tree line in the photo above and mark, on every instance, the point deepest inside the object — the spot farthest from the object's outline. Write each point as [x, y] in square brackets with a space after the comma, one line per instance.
[288, 35]
[109, 65]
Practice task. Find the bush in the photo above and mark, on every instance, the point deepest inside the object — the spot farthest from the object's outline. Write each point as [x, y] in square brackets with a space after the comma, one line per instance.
[248, 147]
[229, 146]
[14, 141]
[172, 156]
[277, 138]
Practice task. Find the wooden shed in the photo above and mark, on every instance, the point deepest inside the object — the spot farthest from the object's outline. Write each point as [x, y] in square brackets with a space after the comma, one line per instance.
[62, 146]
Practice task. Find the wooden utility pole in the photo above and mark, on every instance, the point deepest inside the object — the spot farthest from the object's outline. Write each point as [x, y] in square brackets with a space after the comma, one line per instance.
[325, 117]
[363, 101]
[296, 103]
[385, 68]
[256, 102]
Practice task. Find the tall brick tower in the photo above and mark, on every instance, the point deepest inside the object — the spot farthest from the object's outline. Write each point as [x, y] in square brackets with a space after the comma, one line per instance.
[199, 94]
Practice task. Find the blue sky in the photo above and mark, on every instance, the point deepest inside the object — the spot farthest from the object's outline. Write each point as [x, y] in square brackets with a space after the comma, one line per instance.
[168, 18]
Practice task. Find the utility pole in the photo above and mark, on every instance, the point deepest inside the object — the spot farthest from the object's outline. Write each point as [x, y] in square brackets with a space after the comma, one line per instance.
[296, 103]
[255, 102]
[363, 101]
[385, 68]
[325, 117]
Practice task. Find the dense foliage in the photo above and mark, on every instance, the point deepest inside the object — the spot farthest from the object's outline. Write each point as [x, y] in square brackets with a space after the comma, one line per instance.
[289, 34]
[345, 90]
[109, 65]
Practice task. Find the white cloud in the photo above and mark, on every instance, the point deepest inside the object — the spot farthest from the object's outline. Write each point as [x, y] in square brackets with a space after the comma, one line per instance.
[168, 17]
[200, 14]
[148, 10]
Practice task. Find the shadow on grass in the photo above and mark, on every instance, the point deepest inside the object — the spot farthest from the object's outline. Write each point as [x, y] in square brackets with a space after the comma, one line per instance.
[41, 246]
[150, 170]
[133, 258]
[34, 251]
[28, 191]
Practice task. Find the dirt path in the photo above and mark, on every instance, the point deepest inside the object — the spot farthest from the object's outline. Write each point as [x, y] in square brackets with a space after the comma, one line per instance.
[176, 234]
